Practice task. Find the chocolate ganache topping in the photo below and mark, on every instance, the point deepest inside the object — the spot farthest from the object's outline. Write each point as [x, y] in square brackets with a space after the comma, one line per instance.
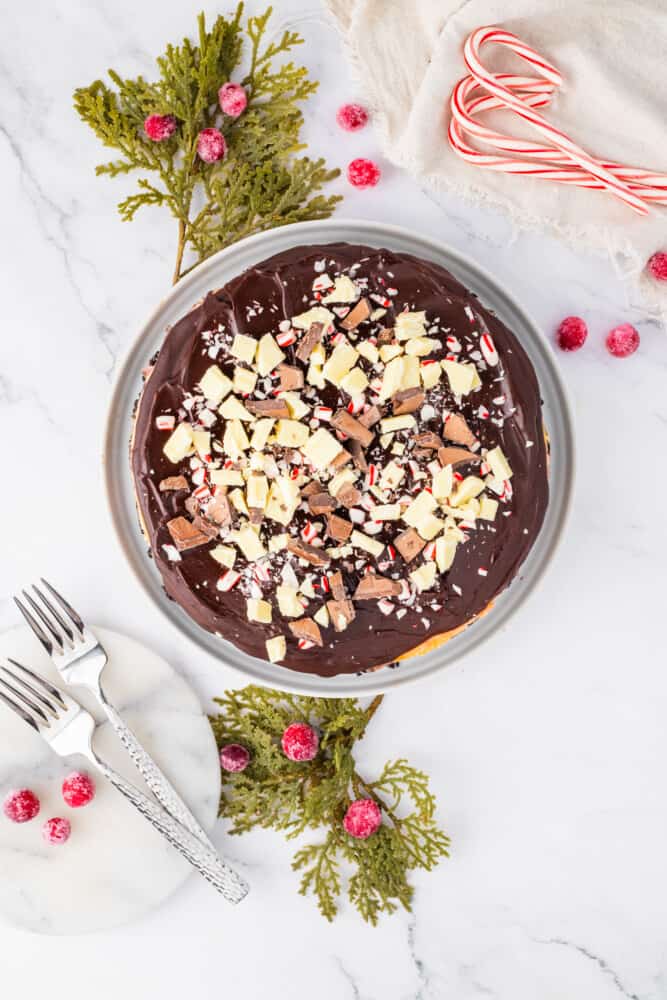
[339, 457]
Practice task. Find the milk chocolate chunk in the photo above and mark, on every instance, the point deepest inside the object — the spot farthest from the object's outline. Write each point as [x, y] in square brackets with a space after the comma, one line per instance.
[407, 401]
[268, 407]
[311, 488]
[409, 544]
[371, 416]
[192, 506]
[357, 315]
[173, 483]
[342, 458]
[345, 422]
[429, 440]
[310, 341]
[454, 456]
[207, 528]
[219, 510]
[316, 557]
[341, 613]
[321, 503]
[372, 587]
[358, 456]
[385, 336]
[337, 585]
[306, 628]
[338, 528]
[348, 495]
[291, 377]
[185, 534]
[256, 514]
[456, 429]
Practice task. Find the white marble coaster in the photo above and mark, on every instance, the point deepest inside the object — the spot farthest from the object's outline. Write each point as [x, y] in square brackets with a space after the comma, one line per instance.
[114, 866]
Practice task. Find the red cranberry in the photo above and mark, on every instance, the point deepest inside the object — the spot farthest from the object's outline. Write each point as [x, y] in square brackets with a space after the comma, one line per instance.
[159, 127]
[21, 805]
[56, 830]
[78, 789]
[300, 742]
[362, 819]
[234, 757]
[622, 341]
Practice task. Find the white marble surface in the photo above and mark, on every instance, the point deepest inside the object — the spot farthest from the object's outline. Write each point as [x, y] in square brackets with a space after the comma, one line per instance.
[546, 750]
[115, 867]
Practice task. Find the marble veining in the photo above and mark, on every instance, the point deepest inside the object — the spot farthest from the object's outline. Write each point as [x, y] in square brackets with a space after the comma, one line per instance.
[546, 749]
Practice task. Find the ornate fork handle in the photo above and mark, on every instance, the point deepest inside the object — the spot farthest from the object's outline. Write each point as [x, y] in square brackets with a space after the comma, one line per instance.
[206, 861]
[158, 783]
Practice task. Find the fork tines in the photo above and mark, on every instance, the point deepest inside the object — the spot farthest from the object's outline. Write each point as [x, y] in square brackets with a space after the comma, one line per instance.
[53, 627]
[33, 702]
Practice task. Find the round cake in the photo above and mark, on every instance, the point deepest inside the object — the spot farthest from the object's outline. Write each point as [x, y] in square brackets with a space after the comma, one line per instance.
[339, 458]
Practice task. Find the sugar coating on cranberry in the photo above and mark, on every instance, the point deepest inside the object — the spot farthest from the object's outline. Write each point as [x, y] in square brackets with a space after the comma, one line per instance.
[21, 805]
[622, 341]
[78, 789]
[363, 173]
[159, 127]
[234, 757]
[300, 742]
[657, 265]
[211, 145]
[56, 830]
[233, 99]
[362, 819]
[352, 117]
[571, 334]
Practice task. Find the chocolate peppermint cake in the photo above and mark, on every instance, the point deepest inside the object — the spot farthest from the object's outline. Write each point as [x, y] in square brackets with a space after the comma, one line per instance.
[339, 458]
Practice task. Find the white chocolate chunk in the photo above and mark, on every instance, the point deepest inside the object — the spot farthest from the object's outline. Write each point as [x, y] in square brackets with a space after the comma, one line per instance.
[257, 491]
[488, 509]
[419, 347]
[386, 512]
[471, 487]
[390, 351]
[180, 443]
[461, 377]
[391, 476]
[260, 434]
[410, 324]
[361, 541]
[276, 648]
[338, 365]
[442, 483]
[295, 404]
[215, 385]
[244, 380]
[202, 443]
[243, 348]
[288, 601]
[354, 382]
[321, 448]
[269, 355]
[430, 526]
[423, 504]
[248, 542]
[237, 499]
[258, 610]
[316, 315]
[321, 616]
[430, 374]
[233, 409]
[291, 433]
[368, 351]
[424, 577]
[445, 550]
[226, 477]
[224, 554]
[344, 290]
[500, 467]
[401, 423]
[235, 440]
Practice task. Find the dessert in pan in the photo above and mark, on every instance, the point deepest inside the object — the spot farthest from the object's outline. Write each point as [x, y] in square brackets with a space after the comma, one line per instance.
[339, 458]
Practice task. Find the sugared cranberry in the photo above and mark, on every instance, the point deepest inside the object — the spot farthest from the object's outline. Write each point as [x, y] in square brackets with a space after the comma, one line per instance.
[363, 173]
[21, 805]
[159, 127]
[657, 265]
[571, 334]
[78, 789]
[300, 742]
[352, 117]
[622, 341]
[234, 757]
[233, 99]
[211, 145]
[362, 819]
[56, 830]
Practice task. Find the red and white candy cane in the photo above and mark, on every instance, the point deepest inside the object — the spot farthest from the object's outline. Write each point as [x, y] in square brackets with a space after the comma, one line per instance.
[560, 159]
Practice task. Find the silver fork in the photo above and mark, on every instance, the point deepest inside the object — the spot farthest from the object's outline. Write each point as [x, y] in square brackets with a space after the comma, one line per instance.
[68, 728]
[80, 660]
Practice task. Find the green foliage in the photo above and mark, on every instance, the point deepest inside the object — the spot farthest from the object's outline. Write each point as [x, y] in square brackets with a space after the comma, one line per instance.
[260, 183]
[276, 793]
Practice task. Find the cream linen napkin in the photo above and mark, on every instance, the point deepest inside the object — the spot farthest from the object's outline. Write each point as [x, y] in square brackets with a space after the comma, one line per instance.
[407, 55]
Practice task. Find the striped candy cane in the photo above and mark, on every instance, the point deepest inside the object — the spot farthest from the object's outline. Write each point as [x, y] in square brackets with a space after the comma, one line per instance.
[558, 159]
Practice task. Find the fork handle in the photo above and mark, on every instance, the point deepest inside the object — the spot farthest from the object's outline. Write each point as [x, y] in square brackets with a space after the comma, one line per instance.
[158, 783]
[206, 861]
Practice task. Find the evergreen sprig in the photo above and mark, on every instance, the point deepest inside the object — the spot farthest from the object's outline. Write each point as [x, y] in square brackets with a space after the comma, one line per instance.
[276, 793]
[260, 183]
